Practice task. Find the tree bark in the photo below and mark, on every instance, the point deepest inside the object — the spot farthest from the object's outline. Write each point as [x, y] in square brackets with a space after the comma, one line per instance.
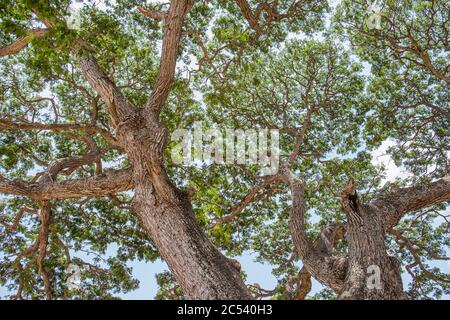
[166, 215]
[317, 258]
[366, 229]
[164, 211]
[371, 274]
[22, 42]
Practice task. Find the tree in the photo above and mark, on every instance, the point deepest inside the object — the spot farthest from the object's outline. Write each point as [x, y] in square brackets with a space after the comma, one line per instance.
[87, 114]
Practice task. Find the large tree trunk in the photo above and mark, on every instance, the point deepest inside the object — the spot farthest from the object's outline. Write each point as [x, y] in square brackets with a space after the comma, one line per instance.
[371, 274]
[164, 211]
[366, 229]
[200, 269]
[366, 272]
[167, 217]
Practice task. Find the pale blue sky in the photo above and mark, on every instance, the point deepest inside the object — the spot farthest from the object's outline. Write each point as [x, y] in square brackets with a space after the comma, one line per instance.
[256, 272]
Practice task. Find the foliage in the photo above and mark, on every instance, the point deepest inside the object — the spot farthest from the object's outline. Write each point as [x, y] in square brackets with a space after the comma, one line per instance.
[353, 88]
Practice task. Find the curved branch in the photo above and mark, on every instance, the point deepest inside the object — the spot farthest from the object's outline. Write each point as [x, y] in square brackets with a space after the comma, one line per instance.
[403, 241]
[45, 216]
[269, 12]
[153, 14]
[327, 269]
[16, 221]
[252, 196]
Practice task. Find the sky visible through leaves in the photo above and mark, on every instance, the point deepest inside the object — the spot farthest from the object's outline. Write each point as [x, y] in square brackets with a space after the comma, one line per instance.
[380, 161]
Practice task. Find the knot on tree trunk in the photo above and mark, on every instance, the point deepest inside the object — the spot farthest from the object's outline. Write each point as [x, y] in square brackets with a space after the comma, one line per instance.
[350, 203]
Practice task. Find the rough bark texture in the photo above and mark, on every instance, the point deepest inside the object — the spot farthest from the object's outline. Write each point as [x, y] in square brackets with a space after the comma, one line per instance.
[22, 42]
[367, 256]
[394, 205]
[321, 264]
[166, 215]
[164, 211]
[367, 272]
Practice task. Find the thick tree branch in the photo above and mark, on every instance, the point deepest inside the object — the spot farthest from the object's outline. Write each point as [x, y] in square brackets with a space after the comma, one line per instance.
[316, 257]
[68, 165]
[325, 244]
[399, 202]
[98, 186]
[22, 42]
[297, 225]
[45, 216]
[329, 236]
[304, 284]
[117, 105]
[153, 14]
[110, 183]
[351, 204]
[172, 33]
[59, 127]
[249, 16]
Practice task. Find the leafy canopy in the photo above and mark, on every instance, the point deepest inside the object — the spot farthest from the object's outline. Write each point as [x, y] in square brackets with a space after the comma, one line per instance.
[311, 66]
